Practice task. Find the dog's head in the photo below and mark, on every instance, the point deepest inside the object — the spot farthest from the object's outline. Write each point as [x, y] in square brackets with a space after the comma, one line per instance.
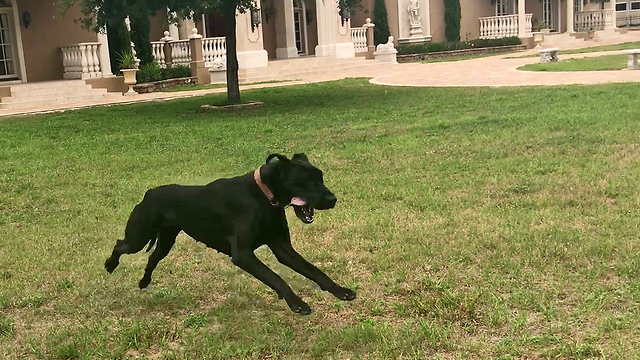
[295, 181]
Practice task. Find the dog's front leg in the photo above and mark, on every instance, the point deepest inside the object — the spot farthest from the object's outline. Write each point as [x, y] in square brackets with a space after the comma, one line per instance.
[247, 261]
[287, 255]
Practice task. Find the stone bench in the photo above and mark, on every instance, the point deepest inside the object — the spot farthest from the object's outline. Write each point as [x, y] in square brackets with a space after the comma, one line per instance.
[549, 55]
[633, 59]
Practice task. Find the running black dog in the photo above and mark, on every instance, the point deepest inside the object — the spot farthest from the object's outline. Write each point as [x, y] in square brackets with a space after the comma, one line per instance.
[236, 216]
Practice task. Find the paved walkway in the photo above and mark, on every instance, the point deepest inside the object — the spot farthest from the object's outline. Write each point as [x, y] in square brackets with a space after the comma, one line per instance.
[498, 71]
[491, 71]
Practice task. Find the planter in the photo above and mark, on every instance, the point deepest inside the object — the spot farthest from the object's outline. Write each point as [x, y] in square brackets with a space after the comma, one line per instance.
[130, 80]
[538, 37]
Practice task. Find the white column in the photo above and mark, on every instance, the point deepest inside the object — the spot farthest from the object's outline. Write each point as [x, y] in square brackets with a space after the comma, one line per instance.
[570, 16]
[174, 33]
[614, 19]
[521, 18]
[184, 28]
[105, 60]
[327, 20]
[427, 17]
[204, 25]
[285, 30]
[559, 17]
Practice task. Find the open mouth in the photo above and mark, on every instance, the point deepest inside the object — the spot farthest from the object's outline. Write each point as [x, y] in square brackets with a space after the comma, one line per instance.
[303, 211]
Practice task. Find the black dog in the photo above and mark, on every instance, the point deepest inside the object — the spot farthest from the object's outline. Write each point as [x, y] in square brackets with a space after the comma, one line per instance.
[236, 216]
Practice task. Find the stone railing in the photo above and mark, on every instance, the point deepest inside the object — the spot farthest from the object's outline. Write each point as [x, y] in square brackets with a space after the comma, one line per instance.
[592, 20]
[81, 61]
[359, 38]
[180, 52]
[213, 48]
[629, 18]
[496, 27]
[157, 50]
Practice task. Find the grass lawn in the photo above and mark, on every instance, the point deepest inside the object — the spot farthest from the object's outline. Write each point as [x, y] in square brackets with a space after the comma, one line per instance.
[600, 63]
[473, 223]
[190, 87]
[614, 47]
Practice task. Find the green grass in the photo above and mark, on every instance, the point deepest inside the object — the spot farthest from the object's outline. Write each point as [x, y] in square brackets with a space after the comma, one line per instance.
[599, 63]
[473, 223]
[190, 87]
[614, 47]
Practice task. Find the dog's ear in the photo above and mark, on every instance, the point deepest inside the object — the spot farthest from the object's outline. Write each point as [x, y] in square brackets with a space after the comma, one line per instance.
[272, 158]
[301, 157]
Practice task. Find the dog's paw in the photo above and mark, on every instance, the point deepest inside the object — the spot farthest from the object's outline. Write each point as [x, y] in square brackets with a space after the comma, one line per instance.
[111, 265]
[343, 293]
[144, 284]
[298, 305]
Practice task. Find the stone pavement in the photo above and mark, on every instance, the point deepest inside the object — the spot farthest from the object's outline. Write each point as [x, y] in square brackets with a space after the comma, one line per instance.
[493, 71]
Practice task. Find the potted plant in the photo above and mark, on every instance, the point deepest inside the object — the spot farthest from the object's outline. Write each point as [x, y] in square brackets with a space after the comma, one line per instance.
[129, 67]
[538, 35]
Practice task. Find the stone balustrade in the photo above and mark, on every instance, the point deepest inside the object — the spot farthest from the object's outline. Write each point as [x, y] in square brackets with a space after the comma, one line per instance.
[497, 27]
[212, 49]
[592, 20]
[359, 38]
[81, 61]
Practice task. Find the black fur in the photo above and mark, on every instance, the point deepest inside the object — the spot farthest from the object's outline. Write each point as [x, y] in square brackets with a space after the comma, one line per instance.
[235, 217]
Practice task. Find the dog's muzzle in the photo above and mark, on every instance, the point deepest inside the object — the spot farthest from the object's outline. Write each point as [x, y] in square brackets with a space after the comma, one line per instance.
[305, 212]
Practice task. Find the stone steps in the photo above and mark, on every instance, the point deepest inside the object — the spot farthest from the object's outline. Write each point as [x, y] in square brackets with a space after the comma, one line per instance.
[292, 69]
[49, 94]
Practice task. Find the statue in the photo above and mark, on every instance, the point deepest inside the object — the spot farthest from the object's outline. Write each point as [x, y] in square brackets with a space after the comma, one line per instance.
[414, 17]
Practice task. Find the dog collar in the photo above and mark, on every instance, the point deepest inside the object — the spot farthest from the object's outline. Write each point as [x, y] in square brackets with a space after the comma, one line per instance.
[265, 189]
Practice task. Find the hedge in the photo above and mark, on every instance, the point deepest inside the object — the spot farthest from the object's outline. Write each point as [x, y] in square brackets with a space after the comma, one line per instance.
[448, 46]
[152, 72]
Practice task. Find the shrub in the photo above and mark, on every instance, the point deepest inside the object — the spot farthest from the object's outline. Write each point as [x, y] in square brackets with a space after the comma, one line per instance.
[381, 31]
[449, 46]
[452, 17]
[152, 72]
[177, 71]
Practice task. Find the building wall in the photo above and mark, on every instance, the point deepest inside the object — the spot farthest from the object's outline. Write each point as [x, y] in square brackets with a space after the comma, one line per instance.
[436, 10]
[269, 34]
[312, 28]
[159, 25]
[471, 11]
[41, 42]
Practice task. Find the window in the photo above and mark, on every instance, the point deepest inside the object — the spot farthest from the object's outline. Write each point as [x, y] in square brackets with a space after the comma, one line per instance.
[635, 5]
[577, 4]
[621, 6]
[502, 7]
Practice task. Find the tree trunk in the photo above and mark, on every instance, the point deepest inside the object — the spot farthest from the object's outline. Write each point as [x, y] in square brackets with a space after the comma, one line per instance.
[233, 88]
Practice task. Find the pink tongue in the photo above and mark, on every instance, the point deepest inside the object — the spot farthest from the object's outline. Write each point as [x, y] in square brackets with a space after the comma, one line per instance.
[297, 201]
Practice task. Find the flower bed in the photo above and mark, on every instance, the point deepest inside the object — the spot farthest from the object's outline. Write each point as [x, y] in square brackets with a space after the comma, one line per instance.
[163, 84]
[455, 53]
[451, 46]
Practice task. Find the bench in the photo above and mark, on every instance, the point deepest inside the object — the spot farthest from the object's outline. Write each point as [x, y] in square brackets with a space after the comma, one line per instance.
[549, 55]
[633, 59]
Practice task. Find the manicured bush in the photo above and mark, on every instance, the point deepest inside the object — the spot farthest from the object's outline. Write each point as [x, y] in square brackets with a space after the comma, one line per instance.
[152, 72]
[449, 46]
[452, 17]
[380, 18]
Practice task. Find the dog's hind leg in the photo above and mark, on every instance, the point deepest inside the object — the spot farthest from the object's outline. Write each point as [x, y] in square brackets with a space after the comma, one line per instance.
[166, 239]
[139, 232]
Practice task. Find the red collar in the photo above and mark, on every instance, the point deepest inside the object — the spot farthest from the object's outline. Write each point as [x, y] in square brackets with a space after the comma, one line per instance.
[265, 189]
